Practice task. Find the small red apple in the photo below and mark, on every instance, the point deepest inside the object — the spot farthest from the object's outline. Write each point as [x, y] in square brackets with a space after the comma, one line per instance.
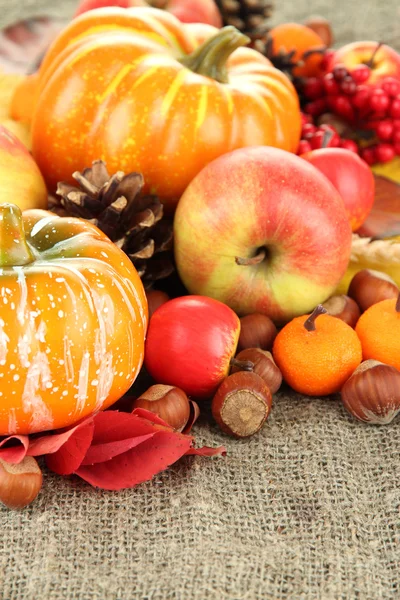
[187, 11]
[352, 178]
[383, 60]
[262, 230]
[20, 179]
[190, 343]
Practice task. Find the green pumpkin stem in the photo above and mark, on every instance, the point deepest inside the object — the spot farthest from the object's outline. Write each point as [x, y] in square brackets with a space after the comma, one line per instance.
[210, 58]
[14, 249]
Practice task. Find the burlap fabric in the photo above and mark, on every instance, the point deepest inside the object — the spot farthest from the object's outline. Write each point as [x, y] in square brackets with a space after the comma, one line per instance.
[308, 509]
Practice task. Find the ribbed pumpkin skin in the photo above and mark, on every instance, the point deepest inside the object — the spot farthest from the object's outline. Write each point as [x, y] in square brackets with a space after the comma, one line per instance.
[111, 87]
[72, 326]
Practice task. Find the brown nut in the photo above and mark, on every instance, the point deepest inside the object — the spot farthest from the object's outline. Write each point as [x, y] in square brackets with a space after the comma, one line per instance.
[372, 393]
[369, 287]
[168, 402]
[322, 27]
[256, 331]
[19, 483]
[344, 308]
[155, 298]
[263, 365]
[241, 404]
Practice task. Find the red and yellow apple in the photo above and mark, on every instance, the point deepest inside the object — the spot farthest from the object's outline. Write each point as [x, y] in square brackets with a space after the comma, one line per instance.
[187, 11]
[262, 230]
[352, 178]
[190, 343]
[21, 182]
[383, 60]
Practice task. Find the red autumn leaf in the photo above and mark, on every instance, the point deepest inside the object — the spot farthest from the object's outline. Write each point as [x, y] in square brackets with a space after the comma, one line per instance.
[138, 464]
[103, 452]
[193, 416]
[150, 416]
[13, 448]
[207, 451]
[64, 451]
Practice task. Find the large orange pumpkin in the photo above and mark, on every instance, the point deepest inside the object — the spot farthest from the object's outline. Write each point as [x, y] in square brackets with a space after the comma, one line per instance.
[73, 317]
[134, 88]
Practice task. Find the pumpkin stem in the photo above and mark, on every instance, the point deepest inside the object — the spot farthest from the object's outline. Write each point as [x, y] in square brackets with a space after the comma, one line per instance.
[210, 58]
[14, 249]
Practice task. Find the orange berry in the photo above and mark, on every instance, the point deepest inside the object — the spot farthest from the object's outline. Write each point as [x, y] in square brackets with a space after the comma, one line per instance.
[379, 331]
[317, 353]
[294, 36]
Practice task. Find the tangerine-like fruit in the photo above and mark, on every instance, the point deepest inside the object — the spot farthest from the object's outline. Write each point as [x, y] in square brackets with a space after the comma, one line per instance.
[379, 331]
[317, 353]
[302, 39]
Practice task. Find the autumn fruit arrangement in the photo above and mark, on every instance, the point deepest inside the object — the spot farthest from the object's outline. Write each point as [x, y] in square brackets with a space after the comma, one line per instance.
[181, 237]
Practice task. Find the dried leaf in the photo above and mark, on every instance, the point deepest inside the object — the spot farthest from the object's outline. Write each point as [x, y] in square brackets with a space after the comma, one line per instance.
[13, 448]
[384, 219]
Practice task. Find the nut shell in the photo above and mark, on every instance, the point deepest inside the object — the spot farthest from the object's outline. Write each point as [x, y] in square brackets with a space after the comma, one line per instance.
[372, 393]
[168, 402]
[256, 331]
[241, 404]
[369, 287]
[19, 483]
[264, 366]
[344, 308]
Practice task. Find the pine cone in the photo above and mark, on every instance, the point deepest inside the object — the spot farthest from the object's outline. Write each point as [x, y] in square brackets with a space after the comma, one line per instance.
[282, 60]
[249, 16]
[116, 205]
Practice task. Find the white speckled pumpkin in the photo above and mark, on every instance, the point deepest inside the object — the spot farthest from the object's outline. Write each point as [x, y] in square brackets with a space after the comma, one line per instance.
[73, 318]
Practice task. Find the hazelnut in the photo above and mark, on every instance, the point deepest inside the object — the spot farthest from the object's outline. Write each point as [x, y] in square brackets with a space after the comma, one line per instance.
[263, 365]
[155, 298]
[344, 308]
[256, 331]
[19, 483]
[372, 393]
[168, 402]
[369, 287]
[241, 404]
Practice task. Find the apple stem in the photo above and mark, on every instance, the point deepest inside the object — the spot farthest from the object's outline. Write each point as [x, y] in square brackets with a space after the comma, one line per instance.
[398, 304]
[210, 58]
[328, 135]
[370, 63]
[14, 250]
[243, 365]
[255, 260]
[309, 324]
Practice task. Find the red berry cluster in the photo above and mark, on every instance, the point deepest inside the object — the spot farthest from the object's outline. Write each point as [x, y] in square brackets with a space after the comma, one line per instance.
[323, 136]
[375, 109]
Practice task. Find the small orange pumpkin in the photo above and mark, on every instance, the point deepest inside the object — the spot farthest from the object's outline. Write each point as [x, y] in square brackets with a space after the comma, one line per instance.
[73, 317]
[135, 88]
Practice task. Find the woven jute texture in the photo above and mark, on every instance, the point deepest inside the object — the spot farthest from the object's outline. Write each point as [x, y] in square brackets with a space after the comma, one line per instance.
[308, 509]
